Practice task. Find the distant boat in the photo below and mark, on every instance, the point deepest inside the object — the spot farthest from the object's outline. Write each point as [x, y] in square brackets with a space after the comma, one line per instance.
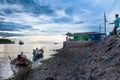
[55, 43]
[37, 54]
[21, 42]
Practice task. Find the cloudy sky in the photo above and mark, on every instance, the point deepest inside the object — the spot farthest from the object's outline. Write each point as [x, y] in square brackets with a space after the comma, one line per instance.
[50, 19]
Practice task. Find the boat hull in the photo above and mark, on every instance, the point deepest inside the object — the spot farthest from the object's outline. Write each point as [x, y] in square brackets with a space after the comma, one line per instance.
[20, 71]
[20, 67]
[37, 56]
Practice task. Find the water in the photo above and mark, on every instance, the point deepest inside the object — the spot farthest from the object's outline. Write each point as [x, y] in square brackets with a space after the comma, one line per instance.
[13, 49]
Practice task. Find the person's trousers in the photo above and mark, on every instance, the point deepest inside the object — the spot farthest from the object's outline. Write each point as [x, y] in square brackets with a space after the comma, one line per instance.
[115, 31]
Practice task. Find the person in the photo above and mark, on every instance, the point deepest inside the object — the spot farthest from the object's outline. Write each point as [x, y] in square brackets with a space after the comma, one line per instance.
[116, 24]
[19, 57]
[22, 55]
[21, 60]
[41, 50]
[16, 60]
[34, 51]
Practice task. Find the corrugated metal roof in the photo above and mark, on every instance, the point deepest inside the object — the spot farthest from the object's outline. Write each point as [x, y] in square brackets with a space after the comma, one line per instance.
[84, 33]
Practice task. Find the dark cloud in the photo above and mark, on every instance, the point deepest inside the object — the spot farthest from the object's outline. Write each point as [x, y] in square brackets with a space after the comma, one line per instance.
[27, 6]
[9, 26]
[37, 10]
[69, 11]
[10, 34]
[62, 20]
[1, 18]
[80, 22]
[7, 11]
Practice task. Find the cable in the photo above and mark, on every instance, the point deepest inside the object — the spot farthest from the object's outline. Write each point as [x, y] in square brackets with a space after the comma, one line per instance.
[113, 6]
[108, 6]
[117, 3]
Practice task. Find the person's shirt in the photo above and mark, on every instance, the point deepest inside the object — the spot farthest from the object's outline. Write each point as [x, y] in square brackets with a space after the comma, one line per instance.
[117, 22]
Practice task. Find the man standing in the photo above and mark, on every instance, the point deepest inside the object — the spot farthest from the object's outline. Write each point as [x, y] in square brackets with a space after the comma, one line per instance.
[116, 24]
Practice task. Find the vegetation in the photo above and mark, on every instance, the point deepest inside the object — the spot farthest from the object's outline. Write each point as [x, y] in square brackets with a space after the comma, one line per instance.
[6, 41]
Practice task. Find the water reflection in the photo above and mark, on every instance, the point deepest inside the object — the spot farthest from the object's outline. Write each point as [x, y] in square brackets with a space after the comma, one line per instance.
[14, 49]
[5, 70]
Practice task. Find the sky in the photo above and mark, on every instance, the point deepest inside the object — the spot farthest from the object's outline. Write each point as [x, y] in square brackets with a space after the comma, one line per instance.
[49, 20]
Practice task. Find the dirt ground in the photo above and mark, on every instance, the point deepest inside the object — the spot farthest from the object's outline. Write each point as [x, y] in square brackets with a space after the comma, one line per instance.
[100, 61]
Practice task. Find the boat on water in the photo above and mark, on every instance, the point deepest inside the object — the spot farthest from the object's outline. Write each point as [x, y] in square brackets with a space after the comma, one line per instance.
[21, 42]
[37, 54]
[20, 66]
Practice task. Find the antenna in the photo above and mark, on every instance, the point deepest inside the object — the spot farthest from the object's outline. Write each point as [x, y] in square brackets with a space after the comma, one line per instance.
[99, 28]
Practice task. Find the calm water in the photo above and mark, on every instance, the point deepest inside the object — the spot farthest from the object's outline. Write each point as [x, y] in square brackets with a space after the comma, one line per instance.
[13, 49]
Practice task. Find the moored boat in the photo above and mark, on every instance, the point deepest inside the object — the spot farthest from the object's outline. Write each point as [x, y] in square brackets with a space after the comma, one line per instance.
[37, 54]
[20, 66]
[21, 42]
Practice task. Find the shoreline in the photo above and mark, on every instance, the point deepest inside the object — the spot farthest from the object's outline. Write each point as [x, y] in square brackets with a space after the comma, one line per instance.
[98, 61]
[62, 64]
[59, 65]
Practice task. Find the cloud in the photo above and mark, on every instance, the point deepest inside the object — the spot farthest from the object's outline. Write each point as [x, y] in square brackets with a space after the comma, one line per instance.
[26, 18]
[99, 3]
[61, 13]
[9, 26]
[10, 34]
[7, 9]
[62, 20]
[69, 11]
[21, 6]
[52, 17]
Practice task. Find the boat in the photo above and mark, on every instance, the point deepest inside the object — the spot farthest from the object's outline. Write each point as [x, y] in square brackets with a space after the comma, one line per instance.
[20, 67]
[37, 54]
[21, 42]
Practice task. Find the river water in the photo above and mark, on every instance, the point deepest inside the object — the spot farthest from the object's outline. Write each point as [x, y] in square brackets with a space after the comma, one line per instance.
[14, 49]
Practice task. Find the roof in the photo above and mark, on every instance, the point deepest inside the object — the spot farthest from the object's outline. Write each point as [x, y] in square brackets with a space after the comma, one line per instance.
[84, 33]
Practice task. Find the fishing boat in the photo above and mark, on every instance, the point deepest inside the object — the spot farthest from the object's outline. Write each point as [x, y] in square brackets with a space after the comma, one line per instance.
[21, 42]
[37, 54]
[20, 66]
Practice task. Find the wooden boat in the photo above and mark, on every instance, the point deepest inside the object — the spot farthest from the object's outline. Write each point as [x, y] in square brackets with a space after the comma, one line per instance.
[37, 54]
[20, 69]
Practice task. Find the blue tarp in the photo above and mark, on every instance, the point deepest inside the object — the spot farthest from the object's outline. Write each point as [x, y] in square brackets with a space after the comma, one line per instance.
[95, 37]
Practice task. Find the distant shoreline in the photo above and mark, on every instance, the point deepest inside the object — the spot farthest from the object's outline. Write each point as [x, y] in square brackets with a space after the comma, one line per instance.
[6, 41]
